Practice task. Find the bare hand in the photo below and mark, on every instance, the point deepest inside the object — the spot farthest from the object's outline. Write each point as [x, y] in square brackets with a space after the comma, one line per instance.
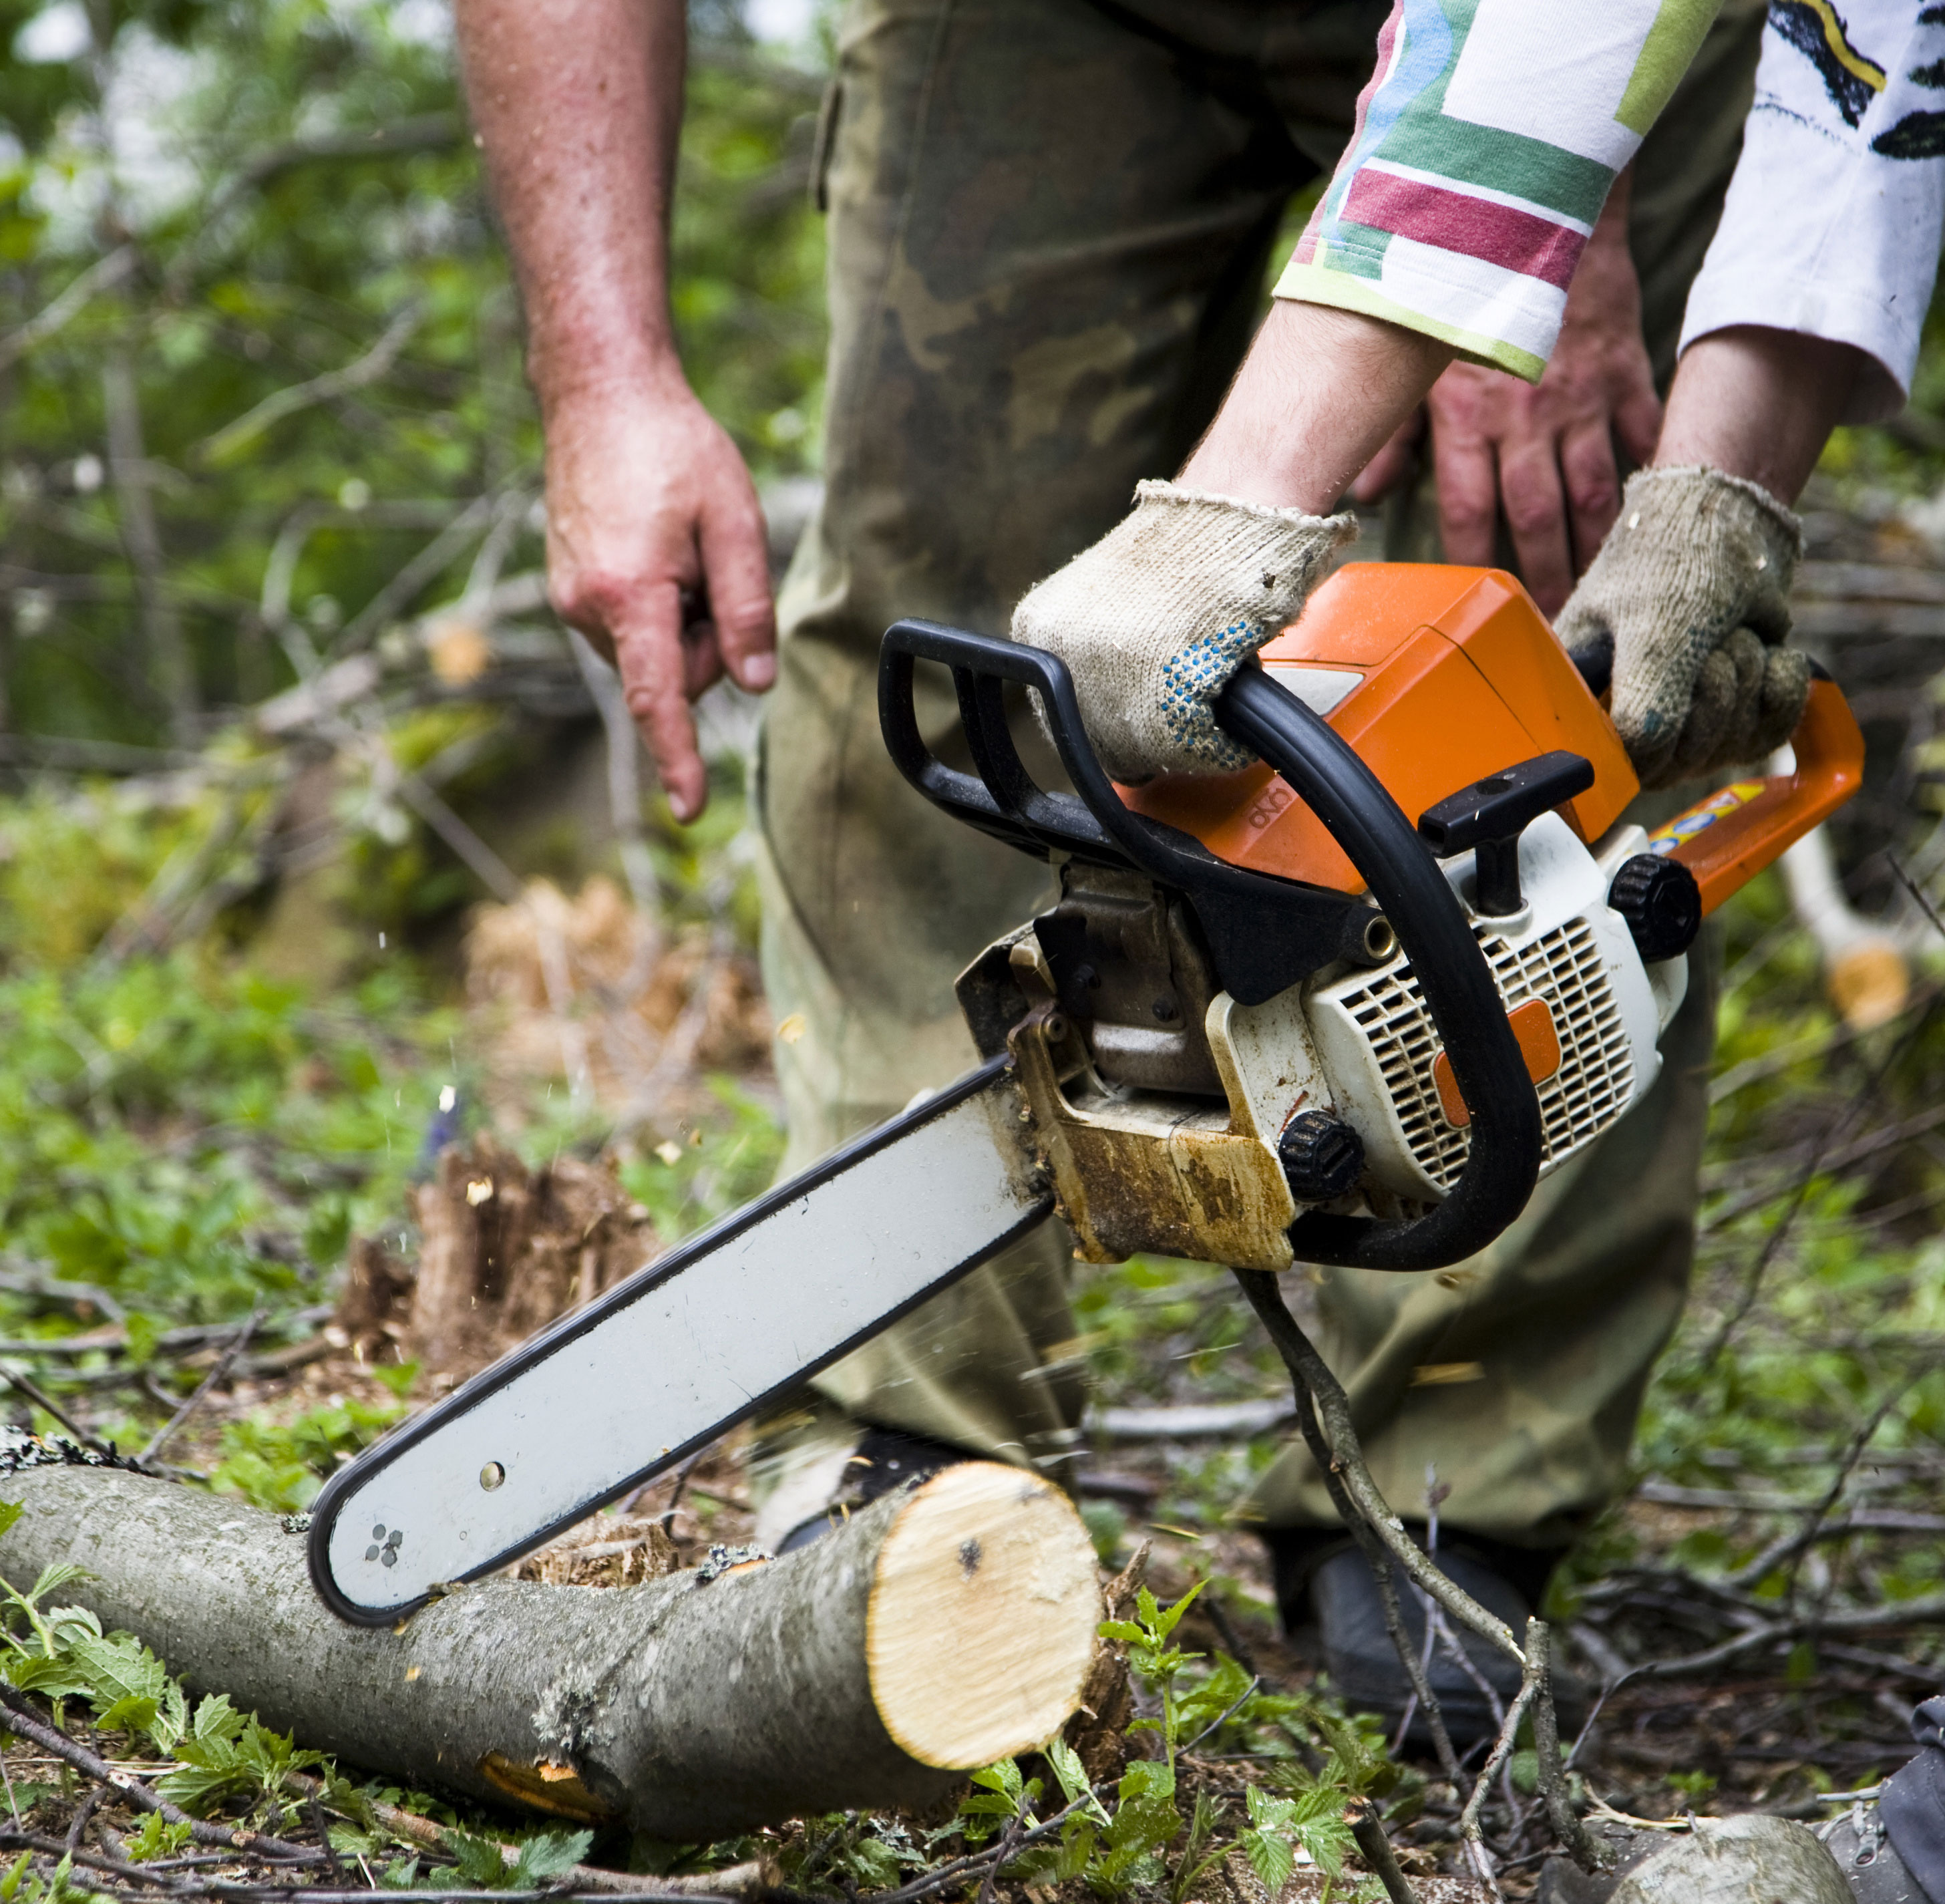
[1542, 454]
[656, 551]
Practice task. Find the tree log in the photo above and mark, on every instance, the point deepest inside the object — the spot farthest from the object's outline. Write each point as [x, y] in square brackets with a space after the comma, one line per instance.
[941, 1628]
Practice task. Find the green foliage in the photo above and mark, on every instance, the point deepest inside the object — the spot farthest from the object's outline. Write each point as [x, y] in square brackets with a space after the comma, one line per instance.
[156, 1837]
[282, 1467]
[273, 244]
[1120, 1842]
[543, 1858]
[20, 1886]
[198, 1140]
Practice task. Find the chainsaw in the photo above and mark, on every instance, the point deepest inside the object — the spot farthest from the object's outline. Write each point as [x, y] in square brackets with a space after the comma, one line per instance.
[1345, 1006]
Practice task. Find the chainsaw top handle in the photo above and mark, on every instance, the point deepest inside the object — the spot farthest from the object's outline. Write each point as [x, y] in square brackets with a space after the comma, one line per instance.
[1255, 923]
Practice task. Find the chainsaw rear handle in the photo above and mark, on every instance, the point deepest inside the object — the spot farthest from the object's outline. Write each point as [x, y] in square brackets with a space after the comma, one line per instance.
[1503, 1164]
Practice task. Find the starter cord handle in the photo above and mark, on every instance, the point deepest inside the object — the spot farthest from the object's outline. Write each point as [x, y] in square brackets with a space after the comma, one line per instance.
[1503, 1165]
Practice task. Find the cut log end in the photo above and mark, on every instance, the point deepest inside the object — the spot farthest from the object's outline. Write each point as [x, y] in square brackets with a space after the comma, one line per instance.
[1000, 1559]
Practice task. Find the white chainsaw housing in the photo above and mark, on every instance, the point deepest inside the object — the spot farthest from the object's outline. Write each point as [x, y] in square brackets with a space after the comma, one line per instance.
[1567, 954]
[1145, 1160]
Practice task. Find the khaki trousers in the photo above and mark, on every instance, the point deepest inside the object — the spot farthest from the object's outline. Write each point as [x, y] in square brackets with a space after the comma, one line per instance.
[1049, 225]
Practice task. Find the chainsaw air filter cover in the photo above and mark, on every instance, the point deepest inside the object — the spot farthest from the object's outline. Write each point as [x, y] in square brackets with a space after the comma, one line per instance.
[1585, 1010]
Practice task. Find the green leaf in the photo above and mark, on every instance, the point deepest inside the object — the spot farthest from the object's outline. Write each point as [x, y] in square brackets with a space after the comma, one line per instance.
[216, 1720]
[1271, 1857]
[10, 1884]
[10, 1512]
[479, 1858]
[551, 1854]
[119, 1667]
[132, 1712]
[1166, 1622]
[156, 1837]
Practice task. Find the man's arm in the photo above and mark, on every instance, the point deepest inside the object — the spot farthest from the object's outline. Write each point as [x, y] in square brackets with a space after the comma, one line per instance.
[577, 105]
[1759, 404]
[1544, 453]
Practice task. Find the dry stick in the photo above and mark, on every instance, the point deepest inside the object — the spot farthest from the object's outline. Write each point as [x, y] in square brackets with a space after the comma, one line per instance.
[130, 477]
[118, 1867]
[102, 275]
[1344, 1459]
[38, 1396]
[324, 389]
[1374, 1846]
[1267, 1299]
[21, 1718]
[82, 1813]
[1779, 1230]
[1792, 1546]
[166, 1433]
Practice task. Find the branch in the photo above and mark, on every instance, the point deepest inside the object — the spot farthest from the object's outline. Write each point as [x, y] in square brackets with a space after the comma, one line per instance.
[20, 1717]
[1332, 1440]
[324, 389]
[103, 275]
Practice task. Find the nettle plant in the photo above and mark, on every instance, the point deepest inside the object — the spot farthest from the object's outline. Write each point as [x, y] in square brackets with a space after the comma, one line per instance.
[1133, 1837]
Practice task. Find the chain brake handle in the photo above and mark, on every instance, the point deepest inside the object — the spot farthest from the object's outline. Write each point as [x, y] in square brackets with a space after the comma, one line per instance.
[1260, 927]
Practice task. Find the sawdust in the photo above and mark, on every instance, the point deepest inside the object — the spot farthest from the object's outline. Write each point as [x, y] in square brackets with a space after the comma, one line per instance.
[605, 1553]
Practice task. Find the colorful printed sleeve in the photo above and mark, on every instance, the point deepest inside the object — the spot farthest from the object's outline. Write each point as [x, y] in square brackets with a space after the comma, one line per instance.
[1833, 217]
[1484, 149]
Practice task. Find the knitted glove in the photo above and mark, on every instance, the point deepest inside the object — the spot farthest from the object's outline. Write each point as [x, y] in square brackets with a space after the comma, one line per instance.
[1154, 619]
[1692, 589]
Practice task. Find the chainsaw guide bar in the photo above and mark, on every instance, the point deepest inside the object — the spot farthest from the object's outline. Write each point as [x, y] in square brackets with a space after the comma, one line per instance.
[662, 1363]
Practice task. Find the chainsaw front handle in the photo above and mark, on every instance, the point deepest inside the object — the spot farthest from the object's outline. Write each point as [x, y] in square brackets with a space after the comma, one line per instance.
[1726, 839]
[1244, 913]
[1503, 1165]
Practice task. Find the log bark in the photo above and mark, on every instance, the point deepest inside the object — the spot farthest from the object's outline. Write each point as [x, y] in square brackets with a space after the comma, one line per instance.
[939, 1629]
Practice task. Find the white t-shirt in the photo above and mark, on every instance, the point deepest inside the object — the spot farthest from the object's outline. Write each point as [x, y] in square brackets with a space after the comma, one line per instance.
[1832, 222]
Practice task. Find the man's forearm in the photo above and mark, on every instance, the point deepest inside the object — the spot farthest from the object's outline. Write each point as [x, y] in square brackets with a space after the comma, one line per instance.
[578, 104]
[1758, 403]
[1316, 398]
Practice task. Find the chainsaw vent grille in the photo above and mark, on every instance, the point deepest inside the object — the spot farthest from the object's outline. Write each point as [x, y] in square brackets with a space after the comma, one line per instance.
[1592, 1087]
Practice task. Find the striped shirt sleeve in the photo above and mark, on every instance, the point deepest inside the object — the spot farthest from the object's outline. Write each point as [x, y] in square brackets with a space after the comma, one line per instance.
[1834, 214]
[1483, 150]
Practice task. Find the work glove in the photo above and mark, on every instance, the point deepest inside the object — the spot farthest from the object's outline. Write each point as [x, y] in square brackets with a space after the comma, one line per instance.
[1154, 619]
[1691, 588]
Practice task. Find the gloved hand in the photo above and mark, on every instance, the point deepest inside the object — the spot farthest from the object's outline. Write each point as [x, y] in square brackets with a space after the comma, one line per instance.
[1154, 619]
[1692, 587]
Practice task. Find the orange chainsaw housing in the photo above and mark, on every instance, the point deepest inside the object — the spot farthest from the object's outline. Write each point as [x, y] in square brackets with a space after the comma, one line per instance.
[1439, 676]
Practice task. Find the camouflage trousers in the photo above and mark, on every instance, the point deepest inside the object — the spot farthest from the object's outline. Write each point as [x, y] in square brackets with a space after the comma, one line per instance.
[1049, 225]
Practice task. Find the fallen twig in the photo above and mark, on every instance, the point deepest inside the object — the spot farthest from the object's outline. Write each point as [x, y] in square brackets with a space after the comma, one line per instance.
[21, 1718]
[1341, 1460]
[166, 1433]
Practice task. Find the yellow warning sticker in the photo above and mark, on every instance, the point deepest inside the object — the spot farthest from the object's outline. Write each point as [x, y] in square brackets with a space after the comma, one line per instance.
[1664, 840]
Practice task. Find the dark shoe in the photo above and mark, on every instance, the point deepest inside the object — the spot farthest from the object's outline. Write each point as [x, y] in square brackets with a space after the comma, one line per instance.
[1323, 1577]
[1869, 1860]
[885, 1458]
